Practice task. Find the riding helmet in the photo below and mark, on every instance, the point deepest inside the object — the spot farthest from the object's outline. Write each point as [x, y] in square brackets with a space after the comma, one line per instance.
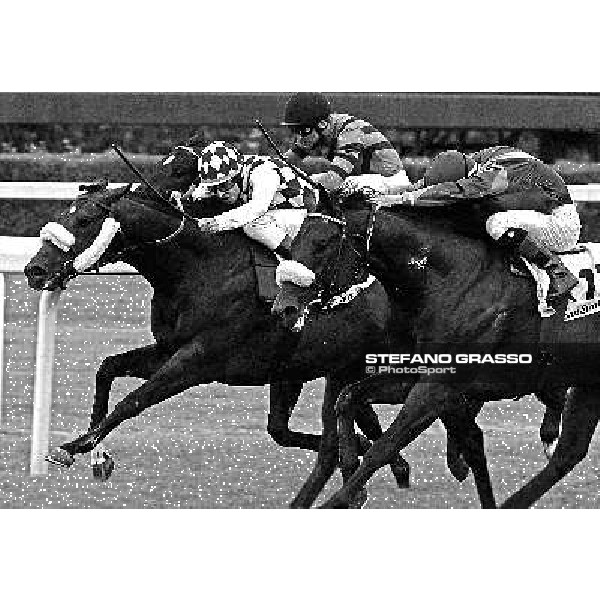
[306, 109]
[219, 162]
[447, 166]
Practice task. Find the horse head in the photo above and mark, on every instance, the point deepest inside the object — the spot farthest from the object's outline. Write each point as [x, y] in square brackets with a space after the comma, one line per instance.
[76, 239]
[80, 237]
[337, 258]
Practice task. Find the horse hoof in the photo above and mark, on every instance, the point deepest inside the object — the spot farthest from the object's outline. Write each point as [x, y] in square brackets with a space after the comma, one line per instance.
[60, 457]
[359, 500]
[459, 469]
[334, 502]
[402, 477]
[549, 449]
[102, 465]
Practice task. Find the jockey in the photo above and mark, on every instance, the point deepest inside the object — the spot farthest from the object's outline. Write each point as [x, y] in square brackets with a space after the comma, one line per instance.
[532, 213]
[269, 201]
[353, 146]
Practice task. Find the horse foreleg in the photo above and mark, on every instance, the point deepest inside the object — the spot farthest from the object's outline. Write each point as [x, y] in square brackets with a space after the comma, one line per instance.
[580, 417]
[139, 362]
[423, 406]
[327, 459]
[348, 444]
[457, 465]
[354, 406]
[383, 389]
[179, 373]
[553, 398]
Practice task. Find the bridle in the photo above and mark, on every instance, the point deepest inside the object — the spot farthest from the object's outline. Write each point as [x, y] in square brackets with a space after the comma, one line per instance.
[67, 270]
[330, 286]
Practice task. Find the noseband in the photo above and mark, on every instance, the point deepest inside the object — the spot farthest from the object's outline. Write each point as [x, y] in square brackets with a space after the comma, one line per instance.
[67, 270]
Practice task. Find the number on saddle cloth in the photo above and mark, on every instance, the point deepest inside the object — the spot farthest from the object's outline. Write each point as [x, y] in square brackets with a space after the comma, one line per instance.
[584, 300]
[584, 262]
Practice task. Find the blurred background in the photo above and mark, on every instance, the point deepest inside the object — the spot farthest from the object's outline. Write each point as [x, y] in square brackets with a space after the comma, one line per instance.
[555, 127]
[67, 136]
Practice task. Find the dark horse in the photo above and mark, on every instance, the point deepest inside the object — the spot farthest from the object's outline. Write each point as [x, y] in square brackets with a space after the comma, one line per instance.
[208, 322]
[464, 296]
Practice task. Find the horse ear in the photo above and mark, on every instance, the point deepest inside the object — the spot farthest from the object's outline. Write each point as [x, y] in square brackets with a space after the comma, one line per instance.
[119, 204]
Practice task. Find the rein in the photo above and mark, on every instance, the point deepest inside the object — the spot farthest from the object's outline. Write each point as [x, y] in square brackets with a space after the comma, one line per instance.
[68, 271]
[326, 298]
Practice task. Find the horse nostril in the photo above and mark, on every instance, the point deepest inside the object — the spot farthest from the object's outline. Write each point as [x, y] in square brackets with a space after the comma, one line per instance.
[36, 276]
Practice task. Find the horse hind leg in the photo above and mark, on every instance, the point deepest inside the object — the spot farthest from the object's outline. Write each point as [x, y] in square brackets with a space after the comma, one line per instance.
[348, 443]
[354, 405]
[553, 399]
[422, 407]
[327, 458]
[455, 461]
[368, 422]
[283, 397]
[580, 418]
[461, 425]
[381, 389]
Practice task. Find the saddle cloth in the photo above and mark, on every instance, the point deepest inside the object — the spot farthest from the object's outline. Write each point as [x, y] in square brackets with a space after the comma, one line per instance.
[265, 260]
[265, 265]
[584, 262]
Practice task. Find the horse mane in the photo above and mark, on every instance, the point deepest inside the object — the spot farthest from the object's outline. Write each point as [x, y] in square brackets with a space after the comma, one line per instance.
[205, 208]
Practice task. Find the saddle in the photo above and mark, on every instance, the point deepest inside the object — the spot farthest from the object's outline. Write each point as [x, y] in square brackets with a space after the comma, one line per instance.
[265, 264]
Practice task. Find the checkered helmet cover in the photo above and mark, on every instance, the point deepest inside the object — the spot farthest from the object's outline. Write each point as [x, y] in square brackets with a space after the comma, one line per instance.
[219, 162]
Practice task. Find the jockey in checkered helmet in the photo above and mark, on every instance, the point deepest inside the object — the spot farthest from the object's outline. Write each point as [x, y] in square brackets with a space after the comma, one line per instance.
[269, 201]
[219, 166]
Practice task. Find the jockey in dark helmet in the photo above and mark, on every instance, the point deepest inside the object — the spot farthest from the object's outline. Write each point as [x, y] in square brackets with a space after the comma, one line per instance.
[531, 214]
[353, 146]
[268, 200]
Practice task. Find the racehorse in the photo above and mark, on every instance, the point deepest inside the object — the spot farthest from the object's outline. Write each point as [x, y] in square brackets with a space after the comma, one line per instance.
[208, 323]
[463, 294]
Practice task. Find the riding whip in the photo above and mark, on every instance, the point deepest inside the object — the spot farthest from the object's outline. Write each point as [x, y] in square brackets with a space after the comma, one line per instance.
[297, 171]
[137, 172]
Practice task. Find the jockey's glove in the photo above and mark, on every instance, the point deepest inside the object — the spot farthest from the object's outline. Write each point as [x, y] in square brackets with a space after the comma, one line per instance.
[207, 225]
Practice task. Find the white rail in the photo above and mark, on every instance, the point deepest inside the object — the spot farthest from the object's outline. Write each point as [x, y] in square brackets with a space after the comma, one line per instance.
[59, 190]
[15, 253]
[42, 190]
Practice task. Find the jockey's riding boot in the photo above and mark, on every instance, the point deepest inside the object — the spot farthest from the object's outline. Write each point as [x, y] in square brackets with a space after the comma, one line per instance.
[562, 281]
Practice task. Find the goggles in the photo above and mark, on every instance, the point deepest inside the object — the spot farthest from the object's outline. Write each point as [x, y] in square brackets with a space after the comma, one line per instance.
[301, 130]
